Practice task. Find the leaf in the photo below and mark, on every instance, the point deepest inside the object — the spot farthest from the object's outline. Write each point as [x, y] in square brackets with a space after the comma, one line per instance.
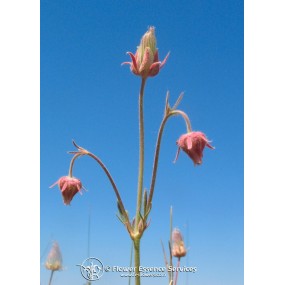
[167, 106]
[178, 101]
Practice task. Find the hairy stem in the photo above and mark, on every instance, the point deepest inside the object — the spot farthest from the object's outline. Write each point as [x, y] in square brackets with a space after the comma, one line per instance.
[141, 155]
[72, 163]
[156, 156]
[50, 279]
[113, 184]
[170, 246]
[85, 152]
[185, 117]
[157, 148]
[166, 262]
[137, 261]
[131, 262]
[140, 184]
[176, 275]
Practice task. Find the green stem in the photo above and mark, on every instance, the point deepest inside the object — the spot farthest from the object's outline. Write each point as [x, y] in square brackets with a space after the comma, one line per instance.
[137, 234]
[85, 152]
[166, 263]
[176, 276]
[137, 261]
[131, 261]
[50, 279]
[170, 244]
[157, 149]
[185, 117]
[141, 155]
[156, 156]
[114, 186]
[72, 163]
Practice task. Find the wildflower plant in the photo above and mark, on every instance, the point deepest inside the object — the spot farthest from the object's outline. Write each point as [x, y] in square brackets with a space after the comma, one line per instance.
[144, 63]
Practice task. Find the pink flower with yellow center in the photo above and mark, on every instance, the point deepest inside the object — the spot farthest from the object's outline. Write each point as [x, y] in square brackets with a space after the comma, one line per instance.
[69, 186]
[193, 144]
[145, 61]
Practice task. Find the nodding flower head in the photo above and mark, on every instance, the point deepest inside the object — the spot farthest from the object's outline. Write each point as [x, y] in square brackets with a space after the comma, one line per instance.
[193, 144]
[178, 247]
[69, 186]
[145, 61]
[54, 259]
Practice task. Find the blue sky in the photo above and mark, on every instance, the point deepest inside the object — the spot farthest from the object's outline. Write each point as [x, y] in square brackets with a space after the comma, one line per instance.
[88, 96]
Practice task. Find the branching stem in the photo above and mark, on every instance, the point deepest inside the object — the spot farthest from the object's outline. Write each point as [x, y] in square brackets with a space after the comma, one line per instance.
[86, 152]
[158, 142]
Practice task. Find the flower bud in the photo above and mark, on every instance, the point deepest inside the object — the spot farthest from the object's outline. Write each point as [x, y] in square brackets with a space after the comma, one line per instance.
[148, 41]
[69, 186]
[145, 62]
[193, 144]
[54, 259]
[178, 248]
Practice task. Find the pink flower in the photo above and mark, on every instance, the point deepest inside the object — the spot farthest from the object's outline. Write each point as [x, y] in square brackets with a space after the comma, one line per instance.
[145, 61]
[69, 186]
[178, 247]
[193, 144]
[54, 259]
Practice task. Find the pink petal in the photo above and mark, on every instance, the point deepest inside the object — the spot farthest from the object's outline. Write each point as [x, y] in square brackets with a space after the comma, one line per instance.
[154, 68]
[53, 184]
[177, 154]
[208, 145]
[188, 143]
[78, 187]
[134, 61]
[155, 58]
[147, 60]
[154, 65]
[197, 159]
[64, 186]
[126, 62]
[164, 61]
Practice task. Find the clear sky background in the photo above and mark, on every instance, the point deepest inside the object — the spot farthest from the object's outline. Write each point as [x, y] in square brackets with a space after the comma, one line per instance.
[88, 96]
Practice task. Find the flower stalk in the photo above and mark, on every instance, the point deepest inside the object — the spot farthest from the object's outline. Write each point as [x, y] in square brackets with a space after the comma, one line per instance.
[137, 232]
[167, 115]
[137, 260]
[141, 155]
[81, 152]
[72, 163]
[51, 276]
[176, 275]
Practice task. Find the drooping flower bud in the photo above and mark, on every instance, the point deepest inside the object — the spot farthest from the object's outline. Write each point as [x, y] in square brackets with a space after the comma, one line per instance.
[69, 186]
[145, 62]
[178, 248]
[193, 144]
[54, 259]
